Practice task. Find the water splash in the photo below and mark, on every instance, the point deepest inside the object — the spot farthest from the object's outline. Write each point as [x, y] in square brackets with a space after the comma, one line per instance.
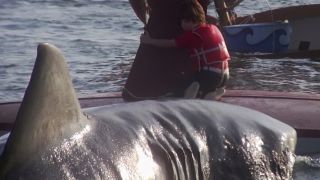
[307, 167]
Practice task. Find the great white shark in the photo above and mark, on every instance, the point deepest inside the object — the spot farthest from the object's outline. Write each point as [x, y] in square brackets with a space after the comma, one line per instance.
[53, 138]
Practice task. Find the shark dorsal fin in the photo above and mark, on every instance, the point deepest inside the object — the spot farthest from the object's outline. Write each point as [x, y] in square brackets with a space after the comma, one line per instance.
[50, 110]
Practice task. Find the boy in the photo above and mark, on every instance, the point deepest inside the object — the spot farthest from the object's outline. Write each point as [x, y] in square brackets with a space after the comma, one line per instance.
[207, 50]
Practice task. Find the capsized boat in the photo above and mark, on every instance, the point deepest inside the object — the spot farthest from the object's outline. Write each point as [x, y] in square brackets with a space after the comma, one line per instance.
[300, 110]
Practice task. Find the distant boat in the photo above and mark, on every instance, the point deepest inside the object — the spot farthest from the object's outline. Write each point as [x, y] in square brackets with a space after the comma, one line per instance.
[284, 32]
[301, 111]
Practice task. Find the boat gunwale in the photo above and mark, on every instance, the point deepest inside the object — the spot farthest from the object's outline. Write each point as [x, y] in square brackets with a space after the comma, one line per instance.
[229, 93]
[95, 100]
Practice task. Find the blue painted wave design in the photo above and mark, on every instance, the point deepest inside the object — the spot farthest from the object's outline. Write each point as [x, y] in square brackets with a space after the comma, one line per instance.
[238, 42]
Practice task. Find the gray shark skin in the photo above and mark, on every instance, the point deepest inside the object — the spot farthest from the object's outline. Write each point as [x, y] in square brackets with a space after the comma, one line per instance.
[165, 139]
[50, 92]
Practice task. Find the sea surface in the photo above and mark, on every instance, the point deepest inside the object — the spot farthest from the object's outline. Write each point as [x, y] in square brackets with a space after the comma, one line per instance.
[99, 39]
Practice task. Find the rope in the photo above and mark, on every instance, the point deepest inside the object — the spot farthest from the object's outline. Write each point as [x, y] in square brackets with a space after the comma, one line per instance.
[273, 27]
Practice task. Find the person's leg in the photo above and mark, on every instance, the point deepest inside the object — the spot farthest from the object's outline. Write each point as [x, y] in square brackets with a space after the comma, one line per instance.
[220, 89]
[209, 81]
[187, 89]
[192, 91]
[215, 95]
[225, 77]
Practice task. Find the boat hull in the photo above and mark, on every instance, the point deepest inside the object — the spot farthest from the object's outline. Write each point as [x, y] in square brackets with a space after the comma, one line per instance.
[258, 37]
[304, 21]
[299, 110]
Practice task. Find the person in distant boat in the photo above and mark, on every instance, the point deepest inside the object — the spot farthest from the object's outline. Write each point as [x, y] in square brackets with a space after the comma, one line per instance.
[208, 51]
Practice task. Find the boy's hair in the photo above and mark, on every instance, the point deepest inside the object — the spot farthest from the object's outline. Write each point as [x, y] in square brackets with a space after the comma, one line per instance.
[192, 11]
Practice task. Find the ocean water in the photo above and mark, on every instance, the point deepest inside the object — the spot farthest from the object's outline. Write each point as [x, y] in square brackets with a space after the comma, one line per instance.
[99, 39]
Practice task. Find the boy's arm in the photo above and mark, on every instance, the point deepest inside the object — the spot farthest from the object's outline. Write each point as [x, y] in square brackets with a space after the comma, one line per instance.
[146, 39]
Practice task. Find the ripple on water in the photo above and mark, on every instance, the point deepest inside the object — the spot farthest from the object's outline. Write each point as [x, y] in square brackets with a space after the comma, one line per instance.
[307, 167]
[106, 33]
